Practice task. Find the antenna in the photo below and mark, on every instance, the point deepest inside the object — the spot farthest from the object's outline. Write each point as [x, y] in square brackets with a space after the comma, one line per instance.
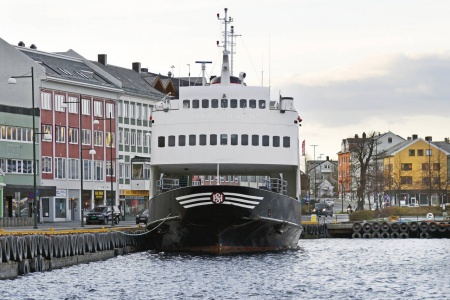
[203, 62]
[232, 43]
[225, 73]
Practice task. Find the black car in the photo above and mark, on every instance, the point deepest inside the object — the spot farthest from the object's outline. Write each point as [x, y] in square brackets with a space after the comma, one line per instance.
[142, 217]
[323, 209]
[102, 215]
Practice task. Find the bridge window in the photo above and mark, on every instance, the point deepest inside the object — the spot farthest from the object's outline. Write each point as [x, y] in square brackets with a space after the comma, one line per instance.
[244, 139]
[255, 140]
[224, 103]
[286, 142]
[262, 104]
[276, 141]
[213, 139]
[202, 140]
[182, 140]
[223, 139]
[234, 139]
[186, 104]
[233, 103]
[171, 141]
[205, 103]
[265, 140]
[252, 103]
[192, 140]
[243, 103]
[161, 141]
[195, 103]
[214, 103]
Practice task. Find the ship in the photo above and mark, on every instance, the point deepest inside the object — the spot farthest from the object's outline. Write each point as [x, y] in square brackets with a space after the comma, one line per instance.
[222, 131]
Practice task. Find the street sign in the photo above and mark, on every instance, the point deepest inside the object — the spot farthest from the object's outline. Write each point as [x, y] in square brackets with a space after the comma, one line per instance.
[31, 195]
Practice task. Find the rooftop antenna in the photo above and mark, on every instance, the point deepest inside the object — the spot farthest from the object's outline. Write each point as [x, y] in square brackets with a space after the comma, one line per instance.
[232, 44]
[225, 76]
[203, 62]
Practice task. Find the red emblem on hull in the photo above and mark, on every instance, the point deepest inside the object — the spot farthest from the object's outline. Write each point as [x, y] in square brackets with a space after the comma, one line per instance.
[217, 198]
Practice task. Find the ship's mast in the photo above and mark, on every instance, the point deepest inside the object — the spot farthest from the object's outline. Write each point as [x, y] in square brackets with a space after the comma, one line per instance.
[225, 76]
[203, 62]
[232, 44]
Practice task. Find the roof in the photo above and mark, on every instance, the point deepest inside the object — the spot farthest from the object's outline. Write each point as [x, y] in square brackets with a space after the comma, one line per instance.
[132, 81]
[445, 146]
[67, 68]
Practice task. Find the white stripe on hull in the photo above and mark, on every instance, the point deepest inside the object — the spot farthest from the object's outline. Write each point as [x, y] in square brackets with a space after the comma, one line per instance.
[235, 199]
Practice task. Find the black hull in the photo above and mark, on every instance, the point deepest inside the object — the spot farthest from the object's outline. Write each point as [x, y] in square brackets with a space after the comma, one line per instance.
[248, 220]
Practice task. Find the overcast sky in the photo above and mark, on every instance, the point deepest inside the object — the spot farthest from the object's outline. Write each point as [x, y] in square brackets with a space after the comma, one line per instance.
[352, 66]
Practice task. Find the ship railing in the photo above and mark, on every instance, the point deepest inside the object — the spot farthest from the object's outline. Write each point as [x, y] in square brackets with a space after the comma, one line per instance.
[276, 185]
[167, 184]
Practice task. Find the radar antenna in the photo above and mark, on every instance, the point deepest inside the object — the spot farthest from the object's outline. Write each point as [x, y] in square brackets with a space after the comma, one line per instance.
[203, 69]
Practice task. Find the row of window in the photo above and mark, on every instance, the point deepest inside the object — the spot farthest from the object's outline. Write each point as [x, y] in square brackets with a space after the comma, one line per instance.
[225, 139]
[133, 138]
[425, 180]
[70, 168]
[16, 166]
[425, 167]
[412, 152]
[73, 136]
[224, 103]
[72, 104]
[14, 133]
[134, 110]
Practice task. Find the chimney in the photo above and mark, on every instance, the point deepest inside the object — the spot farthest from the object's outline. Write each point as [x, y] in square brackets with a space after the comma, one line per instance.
[137, 67]
[409, 138]
[446, 140]
[144, 70]
[21, 44]
[356, 136]
[328, 158]
[414, 136]
[102, 58]
[428, 138]
[364, 135]
[33, 46]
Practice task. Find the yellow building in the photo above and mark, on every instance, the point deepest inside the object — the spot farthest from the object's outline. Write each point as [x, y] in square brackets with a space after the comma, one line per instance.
[416, 172]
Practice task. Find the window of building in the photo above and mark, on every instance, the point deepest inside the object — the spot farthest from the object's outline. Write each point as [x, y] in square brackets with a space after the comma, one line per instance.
[110, 169]
[73, 135]
[195, 103]
[60, 134]
[406, 180]
[120, 109]
[171, 141]
[265, 140]
[425, 167]
[224, 139]
[110, 140]
[46, 164]
[110, 110]
[182, 140]
[72, 105]
[139, 138]
[276, 141]
[133, 138]
[46, 101]
[412, 152]
[420, 152]
[60, 168]
[126, 138]
[234, 139]
[132, 110]
[202, 140]
[406, 167]
[429, 152]
[127, 171]
[186, 104]
[436, 166]
[252, 103]
[213, 139]
[125, 109]
[205, 103]
[262, 104]
[98, 138]
[87, 169]
[86, 136]
[60, 207]
[121, 171]
[98, 170]
[255, 140]
[73, 167]
[425, 180]
[233, 103]
[86, 107]
[138, 111]
[59, 103]
[244, 139]
[286, 142]
[214, 103]
[98, 108]
[161, 141]
[192, 140]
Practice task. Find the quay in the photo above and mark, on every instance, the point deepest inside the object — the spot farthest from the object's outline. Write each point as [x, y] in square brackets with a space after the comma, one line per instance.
[58, 245]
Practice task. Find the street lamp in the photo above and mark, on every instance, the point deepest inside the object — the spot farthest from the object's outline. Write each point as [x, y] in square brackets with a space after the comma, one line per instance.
[80, 144]
[111, 141]
[47, 136]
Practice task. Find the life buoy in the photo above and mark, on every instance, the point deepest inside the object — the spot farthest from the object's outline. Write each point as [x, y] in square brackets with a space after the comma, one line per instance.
[430, 216]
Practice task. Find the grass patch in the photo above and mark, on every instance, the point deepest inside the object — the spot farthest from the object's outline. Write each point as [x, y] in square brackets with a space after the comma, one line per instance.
[395, 211]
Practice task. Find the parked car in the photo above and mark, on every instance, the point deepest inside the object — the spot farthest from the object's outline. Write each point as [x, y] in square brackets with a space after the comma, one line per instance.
[323, 209]
[142, 217]
[102, 215]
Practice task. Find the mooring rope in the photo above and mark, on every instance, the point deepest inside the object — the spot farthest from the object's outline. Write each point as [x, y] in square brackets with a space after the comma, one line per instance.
[146, 232]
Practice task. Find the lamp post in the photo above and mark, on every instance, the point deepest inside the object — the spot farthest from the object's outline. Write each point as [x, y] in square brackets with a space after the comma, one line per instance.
[12, 80]
[80, 144]
[110, 161]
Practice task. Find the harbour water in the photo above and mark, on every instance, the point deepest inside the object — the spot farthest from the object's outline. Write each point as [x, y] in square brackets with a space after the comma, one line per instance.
[320, 269]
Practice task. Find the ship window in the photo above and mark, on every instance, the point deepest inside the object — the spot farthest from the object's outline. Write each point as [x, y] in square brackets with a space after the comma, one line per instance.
[262, 104]
[276, 141]
[192, 140]
[195, 103]
[186, 104]
[181, 140]
[224, 103]
[286, 142]
[255, 140]
[234, 139]
[233, 103]
[214, 103]
[252, 103]
[205, 103]
[161, 141]
[223, 139]
[202, 140]
[244, 139]
[243, 103]
[265, 140]
[171, 141]
[213, 139]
